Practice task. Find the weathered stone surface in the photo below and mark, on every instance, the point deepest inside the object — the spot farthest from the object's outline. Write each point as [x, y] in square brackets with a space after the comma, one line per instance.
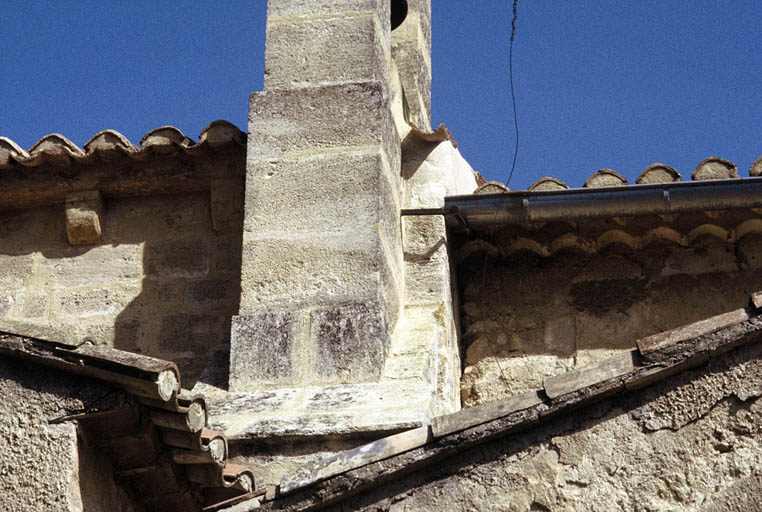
[264, 348]
[327, 271]
[693, 394]
[177, 259]
[278, 124]
[351, 342]
[158, 257]
[326, 49]
[320, 193]
[74, 477]
[289, 8]
[411, 50]
[314, 412]
[547, 315]
[87, 303]
[603, 457]
[83, 217]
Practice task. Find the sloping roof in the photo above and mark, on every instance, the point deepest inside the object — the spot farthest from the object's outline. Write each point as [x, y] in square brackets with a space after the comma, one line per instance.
[157, 438]
[656, 357]
[166, 161]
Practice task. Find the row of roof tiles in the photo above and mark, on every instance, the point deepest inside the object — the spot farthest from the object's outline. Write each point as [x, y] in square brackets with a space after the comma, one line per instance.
[711, 168]
[703, 234]
[57, 149]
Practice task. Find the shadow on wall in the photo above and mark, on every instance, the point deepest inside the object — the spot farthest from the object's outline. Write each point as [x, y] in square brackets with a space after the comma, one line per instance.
[572, 304]
[160, 282]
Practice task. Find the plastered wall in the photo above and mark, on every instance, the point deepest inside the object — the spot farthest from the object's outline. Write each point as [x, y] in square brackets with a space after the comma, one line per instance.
[49, 466]
[691, 443]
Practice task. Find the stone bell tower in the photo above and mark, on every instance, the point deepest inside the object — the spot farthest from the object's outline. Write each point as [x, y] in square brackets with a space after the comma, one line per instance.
[323, 343]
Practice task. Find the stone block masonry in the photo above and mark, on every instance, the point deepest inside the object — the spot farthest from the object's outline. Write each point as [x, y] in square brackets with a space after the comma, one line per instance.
[411, 51]
[321, 237]
[346, 327]
[160, 280]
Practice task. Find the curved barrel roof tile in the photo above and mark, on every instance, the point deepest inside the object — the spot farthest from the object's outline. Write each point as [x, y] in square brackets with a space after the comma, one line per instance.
[715, 168]
[658, 173]
[58, 151]
[605, 178]
[548, 183]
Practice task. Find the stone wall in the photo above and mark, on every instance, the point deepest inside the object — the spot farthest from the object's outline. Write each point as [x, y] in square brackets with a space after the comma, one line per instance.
[527, 316]
[43, 466]
[161, 281]
[693, 442]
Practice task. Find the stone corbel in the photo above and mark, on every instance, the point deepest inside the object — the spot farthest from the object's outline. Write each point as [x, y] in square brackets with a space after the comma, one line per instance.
[83, 217]
[227, 205]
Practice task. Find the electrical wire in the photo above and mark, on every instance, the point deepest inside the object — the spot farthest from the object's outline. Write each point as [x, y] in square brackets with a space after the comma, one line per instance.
[513, 94]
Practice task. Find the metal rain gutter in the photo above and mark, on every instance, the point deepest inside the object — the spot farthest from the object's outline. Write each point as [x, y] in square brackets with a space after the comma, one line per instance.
[526, 207]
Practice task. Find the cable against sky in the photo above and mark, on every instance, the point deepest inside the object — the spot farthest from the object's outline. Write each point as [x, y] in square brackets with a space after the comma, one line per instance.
[513, 94]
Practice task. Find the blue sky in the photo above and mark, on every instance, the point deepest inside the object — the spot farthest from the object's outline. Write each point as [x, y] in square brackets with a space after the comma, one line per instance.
[599, 84]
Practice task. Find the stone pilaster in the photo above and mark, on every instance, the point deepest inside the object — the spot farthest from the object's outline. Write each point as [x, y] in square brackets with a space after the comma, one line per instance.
[321, 276]
[411, 49]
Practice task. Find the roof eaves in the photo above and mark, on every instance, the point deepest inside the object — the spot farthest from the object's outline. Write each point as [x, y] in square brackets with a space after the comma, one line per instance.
[160, 434]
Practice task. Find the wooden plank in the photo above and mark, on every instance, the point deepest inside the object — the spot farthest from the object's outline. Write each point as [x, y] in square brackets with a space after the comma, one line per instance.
[648, 375]
[473, 416]
[602, 371]
[666, 339]
[355, 458]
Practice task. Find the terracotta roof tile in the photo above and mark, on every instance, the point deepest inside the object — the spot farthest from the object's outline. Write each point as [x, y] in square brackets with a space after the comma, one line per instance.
[58, 151]
[548, 183]
[605, 178]
[167, 162]
[107, 140]
[10, 151]
[715, 168]
[709, 169]
[658, 173]
[756, 167]
[492, 187]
